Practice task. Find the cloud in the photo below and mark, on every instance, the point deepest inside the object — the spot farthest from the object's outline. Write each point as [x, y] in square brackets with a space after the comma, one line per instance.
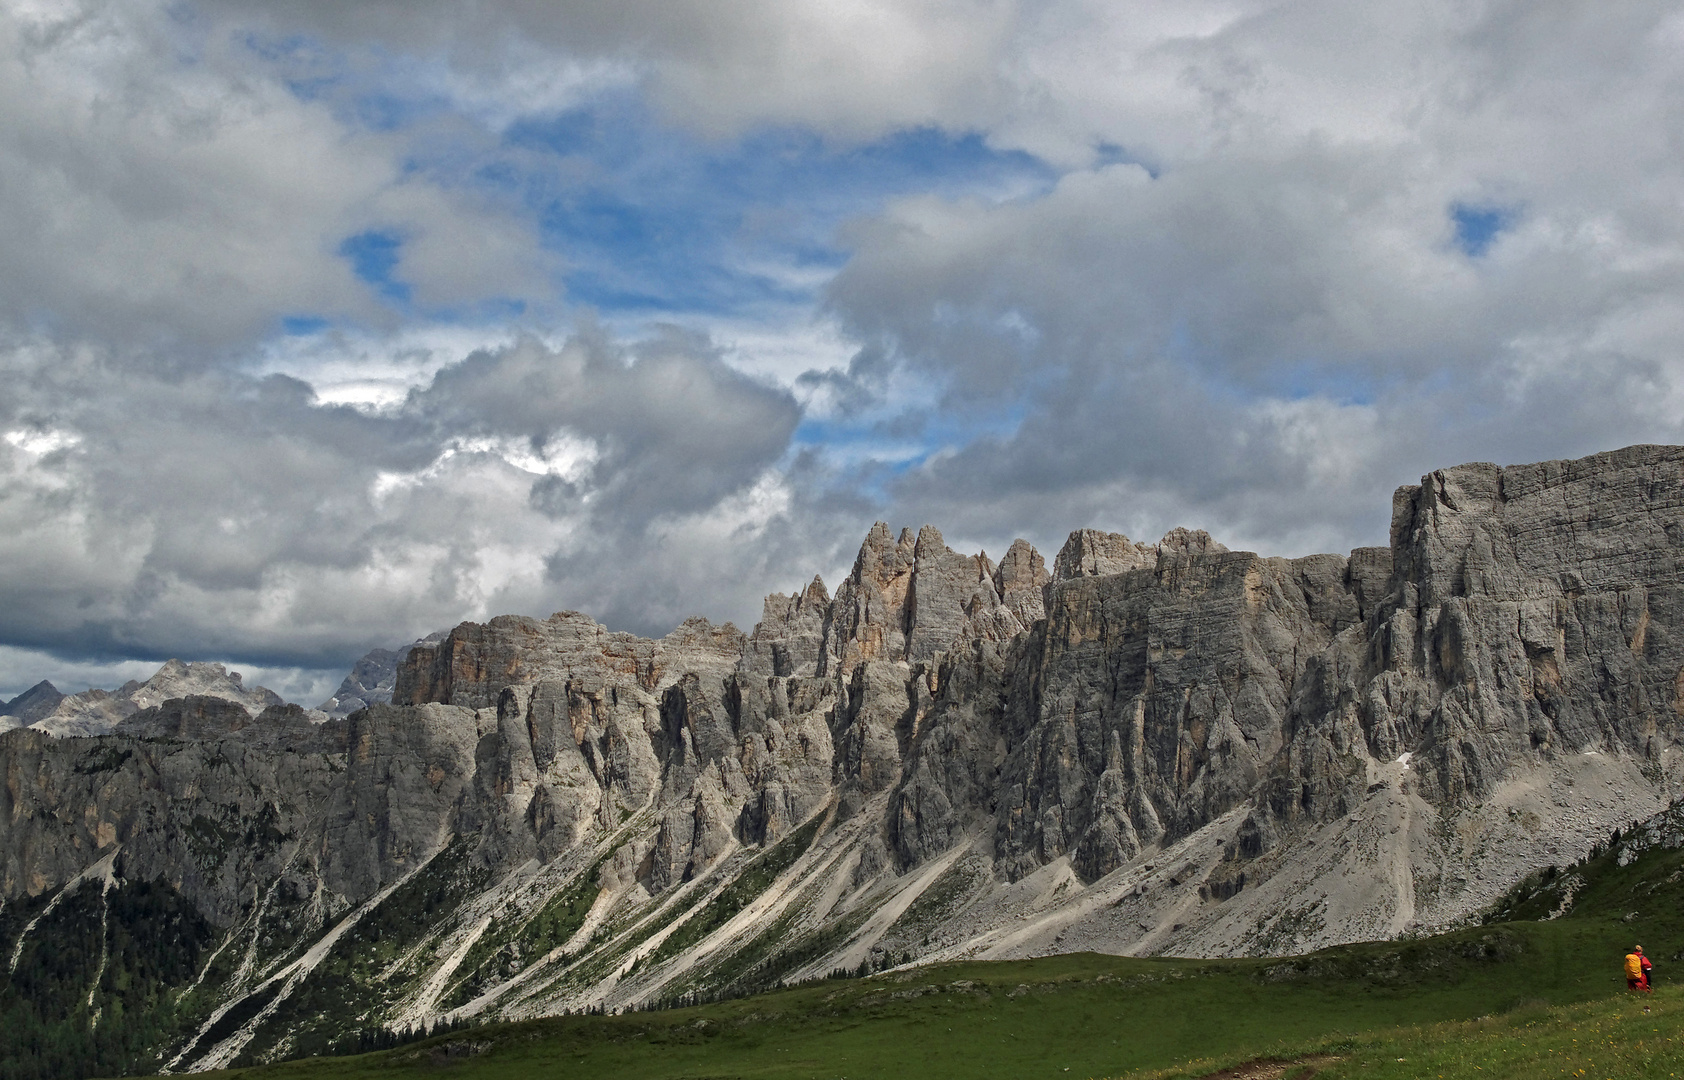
[856, 70]
[218, 514]
[673, 429]
[1279, 312]
[160, 187]
[283, 291]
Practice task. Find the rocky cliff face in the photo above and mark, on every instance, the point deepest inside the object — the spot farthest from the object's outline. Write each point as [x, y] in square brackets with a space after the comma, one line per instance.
[1152, 748]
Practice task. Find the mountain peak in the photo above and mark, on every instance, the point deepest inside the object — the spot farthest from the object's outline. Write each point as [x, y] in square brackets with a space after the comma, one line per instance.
[95, 712]
[33, 704]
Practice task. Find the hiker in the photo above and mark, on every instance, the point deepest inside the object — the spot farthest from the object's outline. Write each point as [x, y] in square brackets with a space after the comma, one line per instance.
[1637, 970]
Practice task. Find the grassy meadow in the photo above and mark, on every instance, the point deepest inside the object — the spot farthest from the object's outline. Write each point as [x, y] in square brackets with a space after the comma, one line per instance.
[1517, 998]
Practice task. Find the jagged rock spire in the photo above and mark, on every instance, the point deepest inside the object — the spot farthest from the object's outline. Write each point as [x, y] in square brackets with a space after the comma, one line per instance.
[907, 598]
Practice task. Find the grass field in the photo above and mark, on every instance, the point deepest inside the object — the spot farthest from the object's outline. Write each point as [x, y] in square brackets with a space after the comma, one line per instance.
[1516, 998]
[1614, 1038]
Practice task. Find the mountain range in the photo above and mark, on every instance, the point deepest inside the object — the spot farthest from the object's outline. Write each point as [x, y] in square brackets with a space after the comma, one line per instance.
[1166, 748]
[97, 712]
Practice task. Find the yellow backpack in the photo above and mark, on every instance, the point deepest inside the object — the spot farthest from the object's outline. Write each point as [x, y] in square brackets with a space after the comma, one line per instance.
[1634, 966]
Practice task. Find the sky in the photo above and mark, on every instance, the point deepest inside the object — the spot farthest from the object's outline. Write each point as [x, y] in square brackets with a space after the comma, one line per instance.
[325, 326]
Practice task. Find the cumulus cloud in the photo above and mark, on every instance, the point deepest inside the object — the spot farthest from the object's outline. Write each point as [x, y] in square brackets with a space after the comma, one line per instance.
[291, 373]
[214, 514]
[1282, 311]
[671, 429]
[159, 187]
[855, 70]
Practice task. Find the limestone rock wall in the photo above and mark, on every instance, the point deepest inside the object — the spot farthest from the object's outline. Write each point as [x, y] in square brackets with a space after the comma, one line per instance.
[472, 663]
[1072, 722]
[214, 817]
[1533, 610]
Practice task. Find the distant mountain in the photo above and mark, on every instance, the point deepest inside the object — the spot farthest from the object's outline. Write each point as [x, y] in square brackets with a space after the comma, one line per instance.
[96, 712]
[33, 704]
[371, 680]
[1169, 749]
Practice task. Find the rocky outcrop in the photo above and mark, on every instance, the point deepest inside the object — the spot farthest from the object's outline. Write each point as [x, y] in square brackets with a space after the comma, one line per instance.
[1533, 610]
[472, 664]
[1166, 698]
[196, 716]
[1019, 581]
[1091, 553]
[790, 637]
[1152, 748]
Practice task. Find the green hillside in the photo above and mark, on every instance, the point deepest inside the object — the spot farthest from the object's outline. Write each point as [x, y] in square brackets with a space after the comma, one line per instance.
[1613, 1038]
[1087, 1015]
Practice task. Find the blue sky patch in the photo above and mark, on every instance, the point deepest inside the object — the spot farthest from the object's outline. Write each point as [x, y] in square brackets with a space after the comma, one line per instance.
[655, 220]
[1477, 227]
[373, 256]
[649, 221]
[302, 325]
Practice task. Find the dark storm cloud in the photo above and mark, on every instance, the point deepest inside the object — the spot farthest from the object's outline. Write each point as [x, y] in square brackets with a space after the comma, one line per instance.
[163, 491]
[209, 513]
